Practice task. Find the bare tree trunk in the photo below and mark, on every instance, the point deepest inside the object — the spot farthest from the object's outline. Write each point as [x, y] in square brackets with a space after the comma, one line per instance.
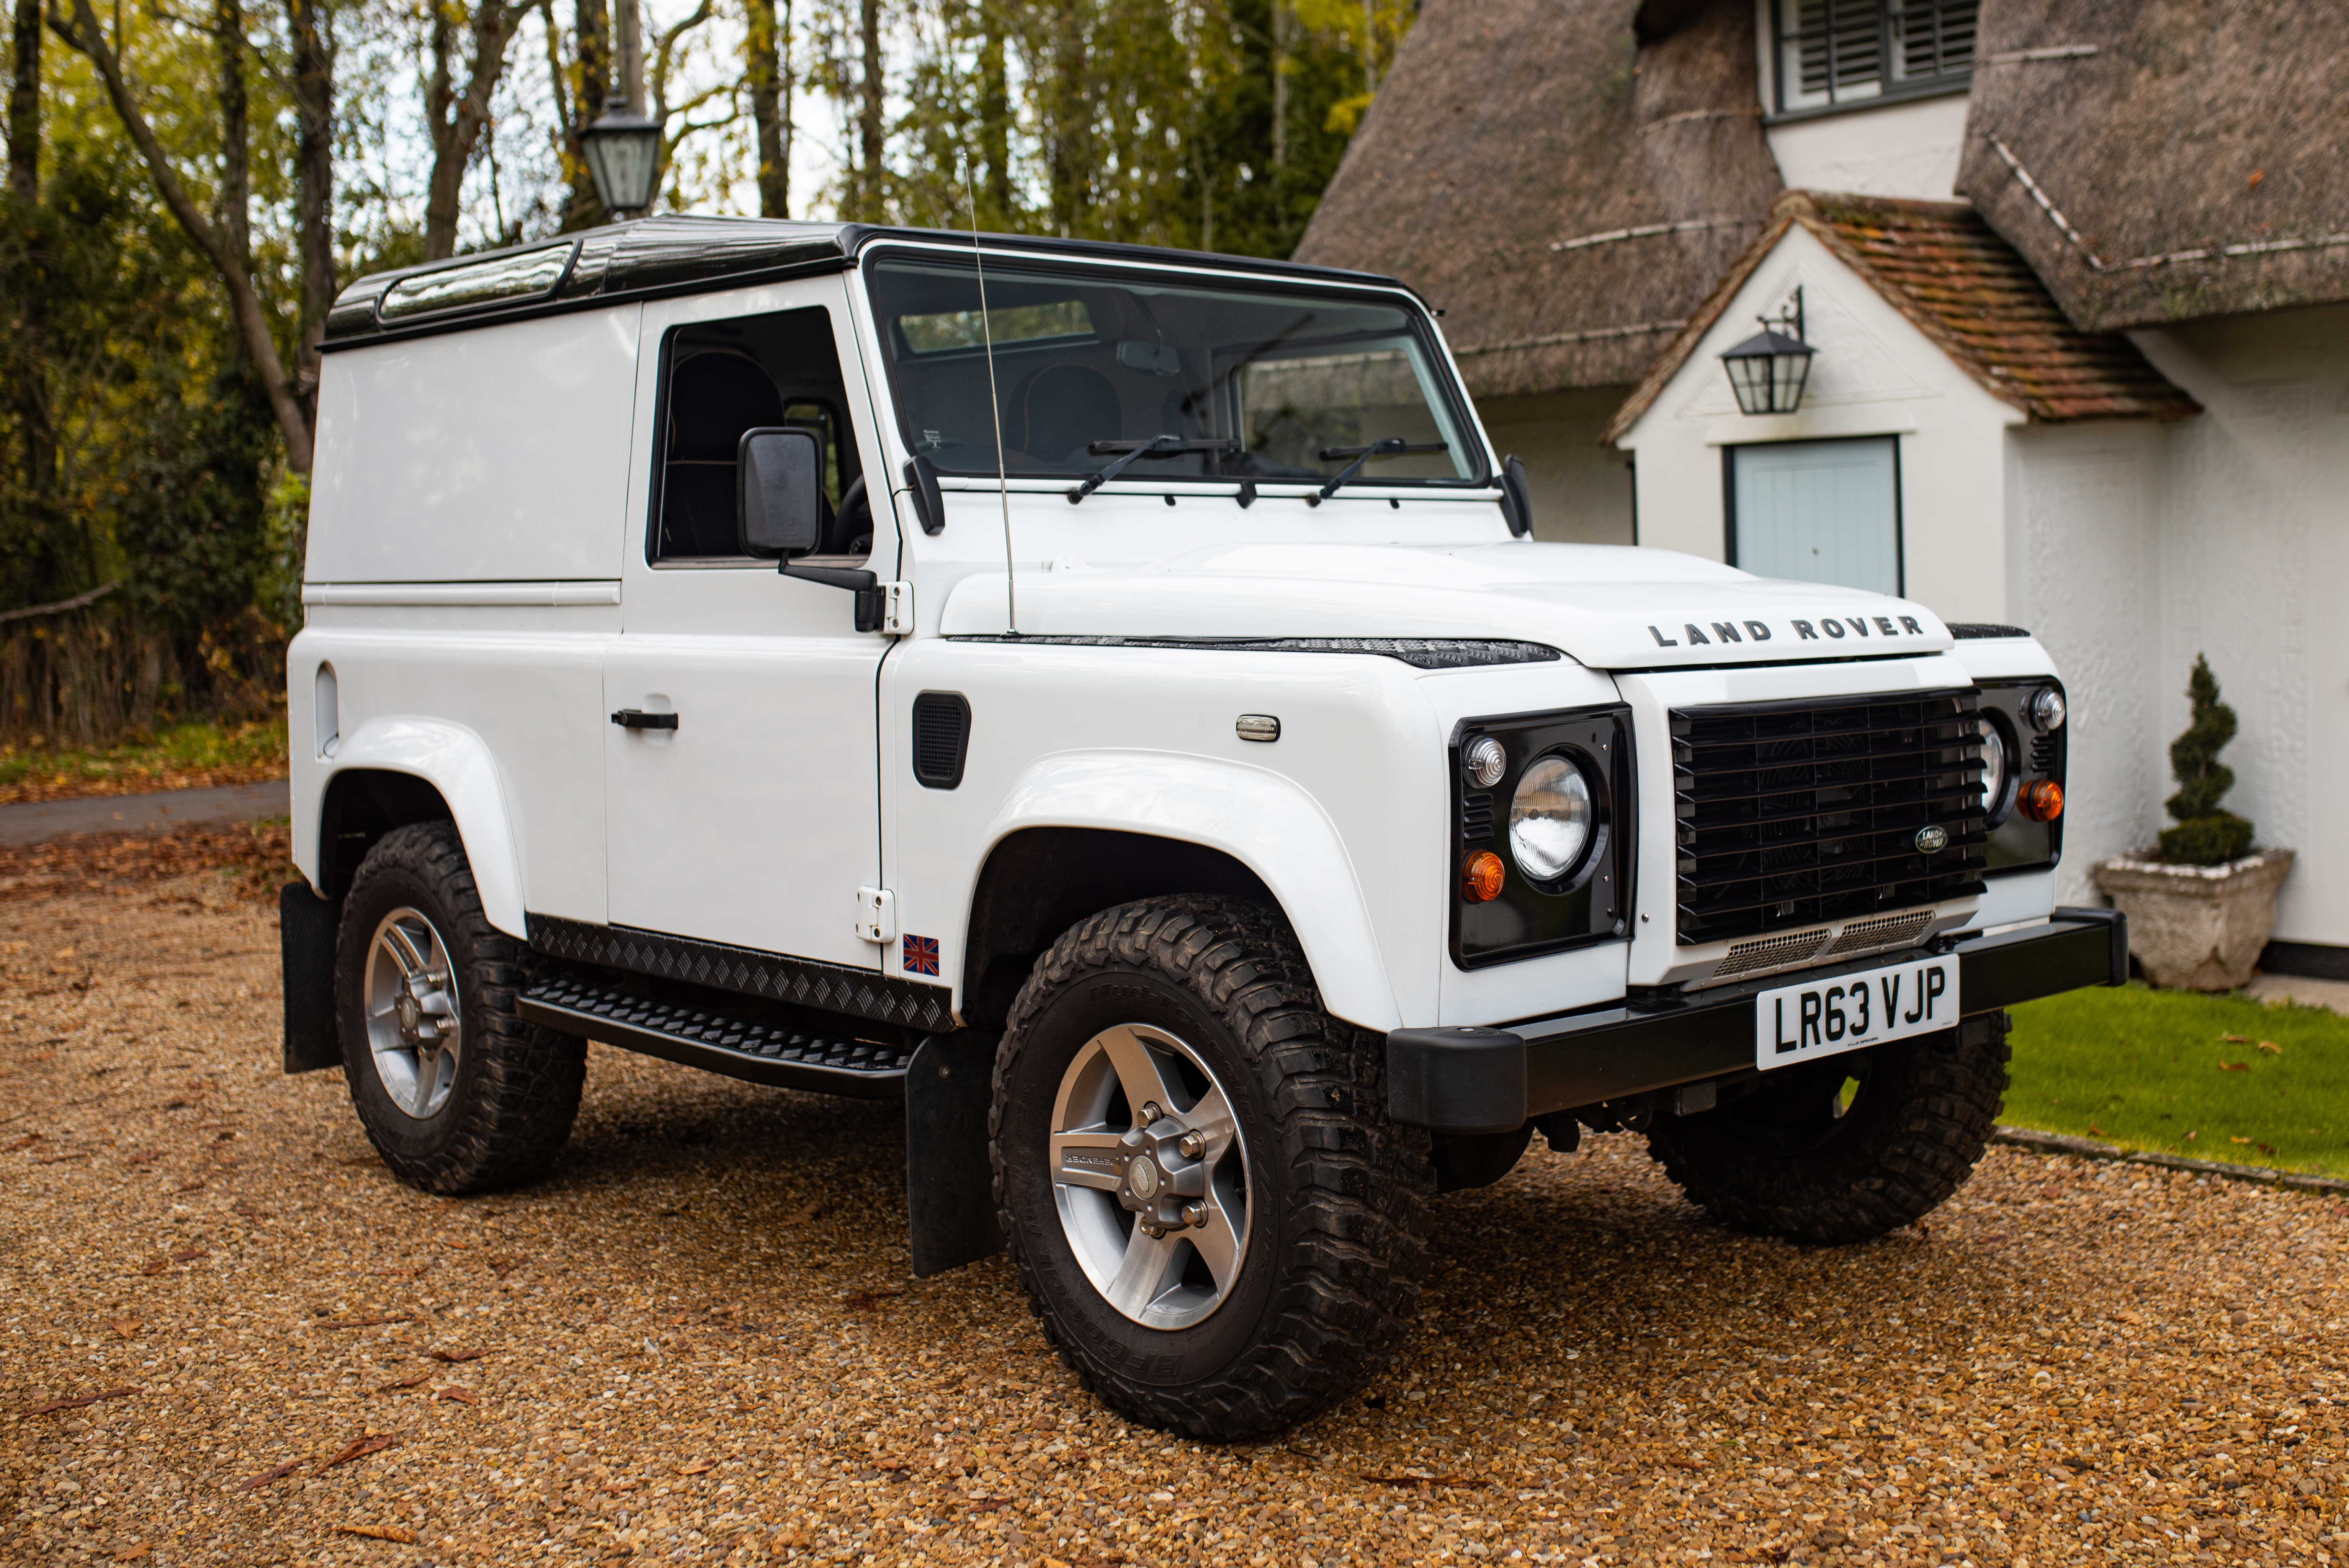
[995, 111]
[235, 127]
[767, 50]
[1284, 40]
[313, 166]
[80, 29]
[30, 392]
[25, 104]
[579, 88]
[871, 177]
[455, 118]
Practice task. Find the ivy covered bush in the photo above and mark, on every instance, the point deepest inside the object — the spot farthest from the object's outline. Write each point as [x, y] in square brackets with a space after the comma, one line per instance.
[2205, 835]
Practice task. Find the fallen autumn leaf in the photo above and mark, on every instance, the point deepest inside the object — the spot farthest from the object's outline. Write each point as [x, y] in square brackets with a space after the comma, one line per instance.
[53, 1405]
[255, 1483]
[458, 1356]
[358, 1448]
[378, 1532]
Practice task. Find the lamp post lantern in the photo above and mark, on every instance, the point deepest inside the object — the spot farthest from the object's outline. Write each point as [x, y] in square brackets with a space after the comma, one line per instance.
[623, 146]
[1769, 370]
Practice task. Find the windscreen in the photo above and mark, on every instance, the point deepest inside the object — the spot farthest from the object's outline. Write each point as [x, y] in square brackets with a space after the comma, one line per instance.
[1252, 382]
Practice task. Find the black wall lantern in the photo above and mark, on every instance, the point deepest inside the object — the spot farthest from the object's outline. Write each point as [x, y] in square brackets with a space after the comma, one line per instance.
[622, 152]
[1769, 369]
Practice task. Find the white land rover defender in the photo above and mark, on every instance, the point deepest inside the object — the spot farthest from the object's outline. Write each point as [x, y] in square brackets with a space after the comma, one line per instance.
[1107, 700]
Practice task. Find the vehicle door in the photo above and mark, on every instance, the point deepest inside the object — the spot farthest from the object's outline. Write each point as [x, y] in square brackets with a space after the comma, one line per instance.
[742, 803]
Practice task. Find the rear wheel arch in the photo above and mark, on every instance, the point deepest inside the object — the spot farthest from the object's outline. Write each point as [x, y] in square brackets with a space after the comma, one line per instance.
[359, 807]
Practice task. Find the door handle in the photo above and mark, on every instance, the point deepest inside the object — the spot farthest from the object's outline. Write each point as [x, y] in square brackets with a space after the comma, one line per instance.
[637, 719]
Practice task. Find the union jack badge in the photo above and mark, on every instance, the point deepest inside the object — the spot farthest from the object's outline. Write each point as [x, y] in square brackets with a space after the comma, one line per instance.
[921, 955]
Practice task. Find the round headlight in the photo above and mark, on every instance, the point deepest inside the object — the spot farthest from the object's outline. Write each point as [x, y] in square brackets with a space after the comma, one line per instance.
[1550, 819]
[2046, 709]
[1998, 768]
[1485, 760]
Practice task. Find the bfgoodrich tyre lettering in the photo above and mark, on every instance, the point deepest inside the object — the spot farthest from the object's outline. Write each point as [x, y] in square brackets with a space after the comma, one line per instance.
[1335, 1195]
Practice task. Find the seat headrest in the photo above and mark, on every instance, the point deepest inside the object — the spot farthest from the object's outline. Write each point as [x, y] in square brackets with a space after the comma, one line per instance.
[713, 396]
[1060, 410]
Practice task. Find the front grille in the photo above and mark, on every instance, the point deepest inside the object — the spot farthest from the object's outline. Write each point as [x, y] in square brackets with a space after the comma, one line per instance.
[1792, 814]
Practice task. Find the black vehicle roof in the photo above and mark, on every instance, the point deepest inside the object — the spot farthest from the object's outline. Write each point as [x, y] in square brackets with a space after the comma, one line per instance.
[657, 258]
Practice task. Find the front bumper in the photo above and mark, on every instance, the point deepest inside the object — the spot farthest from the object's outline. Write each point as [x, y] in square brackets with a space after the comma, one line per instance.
[1470, 1080]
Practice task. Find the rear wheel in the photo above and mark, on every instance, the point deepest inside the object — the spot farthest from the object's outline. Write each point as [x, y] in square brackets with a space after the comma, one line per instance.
[1849, 1148]
[455, 1092]
[1219, 1228]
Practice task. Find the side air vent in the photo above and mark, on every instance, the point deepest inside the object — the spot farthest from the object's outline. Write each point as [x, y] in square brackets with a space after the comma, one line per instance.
[941, 738]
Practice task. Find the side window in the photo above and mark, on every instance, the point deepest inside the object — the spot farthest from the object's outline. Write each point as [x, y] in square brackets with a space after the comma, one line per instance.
[722, 379]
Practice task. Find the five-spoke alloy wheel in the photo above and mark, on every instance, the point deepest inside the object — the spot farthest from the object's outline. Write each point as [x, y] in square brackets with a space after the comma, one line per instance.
[415, 1030]
[1215, 1220]
[1150, 1174]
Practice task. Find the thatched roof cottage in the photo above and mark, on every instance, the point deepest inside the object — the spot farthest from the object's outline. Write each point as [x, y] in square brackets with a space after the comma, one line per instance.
[2076, 275]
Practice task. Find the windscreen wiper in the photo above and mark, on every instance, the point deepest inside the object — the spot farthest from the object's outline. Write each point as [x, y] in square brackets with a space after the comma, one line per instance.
[1135, 451]
[1392, 446]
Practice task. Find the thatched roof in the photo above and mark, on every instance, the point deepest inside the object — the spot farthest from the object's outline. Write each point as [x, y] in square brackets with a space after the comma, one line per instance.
[1563, 192]
[1958, 283]
[2187, 156]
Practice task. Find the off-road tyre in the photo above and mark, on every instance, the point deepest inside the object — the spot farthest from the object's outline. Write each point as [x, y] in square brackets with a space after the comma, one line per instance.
[518, 1085]
[1782, 1161]
[1337, 1193]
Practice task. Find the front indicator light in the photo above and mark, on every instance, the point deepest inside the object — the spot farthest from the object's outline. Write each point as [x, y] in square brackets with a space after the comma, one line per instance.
[1480, 878]
[2041, 799]
[1486, 761]
[2046, 709]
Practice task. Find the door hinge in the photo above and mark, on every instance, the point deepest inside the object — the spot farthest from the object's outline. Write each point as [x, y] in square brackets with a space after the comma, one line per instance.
[876, 914]
[897, 610]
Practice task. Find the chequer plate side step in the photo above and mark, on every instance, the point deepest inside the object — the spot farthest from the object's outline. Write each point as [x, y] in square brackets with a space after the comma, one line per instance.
[776, 1054]
[777, 977]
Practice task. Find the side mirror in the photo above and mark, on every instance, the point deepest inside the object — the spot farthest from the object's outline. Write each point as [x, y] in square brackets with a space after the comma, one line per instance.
[778, 492]
[1516, 501]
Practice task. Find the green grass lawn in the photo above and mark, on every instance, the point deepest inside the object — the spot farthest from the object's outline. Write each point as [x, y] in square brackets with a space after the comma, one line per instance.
[2186, 1074]
[184, 756]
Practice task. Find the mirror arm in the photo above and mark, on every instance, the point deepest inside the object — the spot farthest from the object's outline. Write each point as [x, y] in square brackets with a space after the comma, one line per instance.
[856, 579]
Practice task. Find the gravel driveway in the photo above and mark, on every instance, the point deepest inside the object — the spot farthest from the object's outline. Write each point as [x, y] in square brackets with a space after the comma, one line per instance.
[231, 1337]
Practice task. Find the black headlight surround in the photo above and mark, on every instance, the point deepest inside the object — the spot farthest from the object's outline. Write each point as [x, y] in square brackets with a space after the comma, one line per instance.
[1592, 902]
[2017, 844]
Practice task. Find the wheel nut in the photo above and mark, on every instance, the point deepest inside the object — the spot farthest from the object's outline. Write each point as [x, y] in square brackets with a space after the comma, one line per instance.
[1194, 1214]
[1150, 1112]
[1193, 1145]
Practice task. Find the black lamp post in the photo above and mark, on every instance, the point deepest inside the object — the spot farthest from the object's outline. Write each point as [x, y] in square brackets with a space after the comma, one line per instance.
[622, 152]
[1769, 369]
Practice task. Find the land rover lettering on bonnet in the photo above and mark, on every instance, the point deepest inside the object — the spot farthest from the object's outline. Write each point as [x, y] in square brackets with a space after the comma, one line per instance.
[1110, 702]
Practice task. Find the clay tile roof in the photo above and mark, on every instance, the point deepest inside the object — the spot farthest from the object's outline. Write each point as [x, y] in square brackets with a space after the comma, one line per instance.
[1957, 282]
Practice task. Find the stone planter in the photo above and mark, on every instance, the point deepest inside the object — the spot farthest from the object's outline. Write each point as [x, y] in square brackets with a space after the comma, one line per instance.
[2197, 928]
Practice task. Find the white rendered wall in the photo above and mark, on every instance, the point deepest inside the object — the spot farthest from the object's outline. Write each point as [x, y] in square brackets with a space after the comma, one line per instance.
[1581, 490]
[1875, 375]
[1908, 148]
[2253, 570]
[2083, 515]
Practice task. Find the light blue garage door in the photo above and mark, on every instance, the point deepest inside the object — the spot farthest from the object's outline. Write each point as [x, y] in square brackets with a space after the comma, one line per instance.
[1822, 510]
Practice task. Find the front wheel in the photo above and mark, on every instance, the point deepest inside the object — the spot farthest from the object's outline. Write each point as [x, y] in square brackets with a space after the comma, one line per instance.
[1847, 1147]
[1215, 1220]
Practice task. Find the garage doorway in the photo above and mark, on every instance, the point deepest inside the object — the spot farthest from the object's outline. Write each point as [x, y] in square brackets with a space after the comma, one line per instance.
[1817, 511]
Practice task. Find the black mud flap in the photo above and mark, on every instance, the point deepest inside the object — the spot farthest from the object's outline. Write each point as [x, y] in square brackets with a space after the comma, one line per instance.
[950, 1188]
[305, 945]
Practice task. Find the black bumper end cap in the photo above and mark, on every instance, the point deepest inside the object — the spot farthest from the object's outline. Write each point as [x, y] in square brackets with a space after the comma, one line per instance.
[2116, 929]
[1462, 1079]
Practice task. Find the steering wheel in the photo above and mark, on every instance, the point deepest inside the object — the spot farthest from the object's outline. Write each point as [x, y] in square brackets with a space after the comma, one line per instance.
[853, 500]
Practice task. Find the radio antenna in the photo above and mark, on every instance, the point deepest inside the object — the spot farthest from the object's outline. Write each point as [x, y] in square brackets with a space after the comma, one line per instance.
[994, 405]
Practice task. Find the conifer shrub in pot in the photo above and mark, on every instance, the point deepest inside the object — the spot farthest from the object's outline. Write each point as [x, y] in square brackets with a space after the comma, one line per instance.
[2201, 904]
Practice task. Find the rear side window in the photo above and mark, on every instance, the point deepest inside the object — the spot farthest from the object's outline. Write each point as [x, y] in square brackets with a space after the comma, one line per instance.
[721, 379]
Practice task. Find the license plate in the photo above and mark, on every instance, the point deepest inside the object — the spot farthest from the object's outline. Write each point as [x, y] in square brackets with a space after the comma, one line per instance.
[1826, 1017]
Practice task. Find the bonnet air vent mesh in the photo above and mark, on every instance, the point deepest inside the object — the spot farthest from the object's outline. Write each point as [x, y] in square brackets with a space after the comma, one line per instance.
[941, 738]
